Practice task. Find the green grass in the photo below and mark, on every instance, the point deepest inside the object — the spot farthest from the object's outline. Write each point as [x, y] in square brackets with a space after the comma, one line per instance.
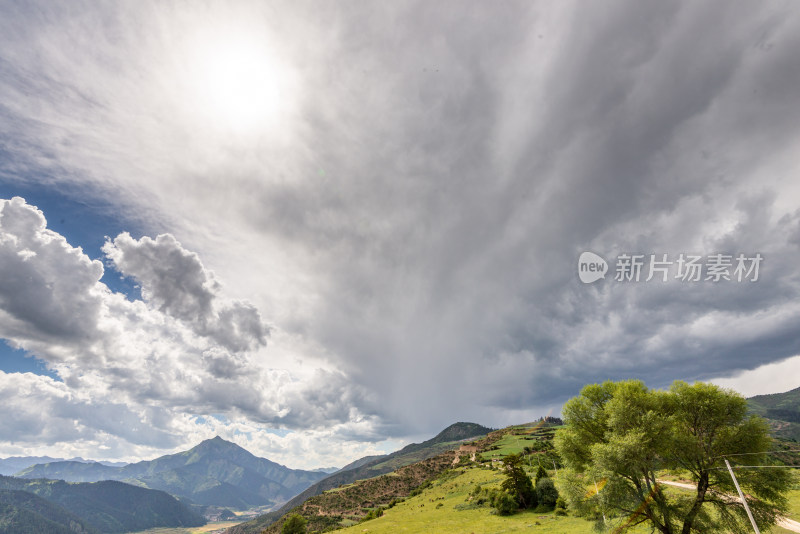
[794, 499]
[508, 444]
[434, 510]
[423, 513]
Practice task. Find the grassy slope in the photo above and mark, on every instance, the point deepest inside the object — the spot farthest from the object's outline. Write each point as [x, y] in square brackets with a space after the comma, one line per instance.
[409, 455]
[434, 510]
[347, 505]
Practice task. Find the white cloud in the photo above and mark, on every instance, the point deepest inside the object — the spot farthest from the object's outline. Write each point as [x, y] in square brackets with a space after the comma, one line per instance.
[774, 377]
[130, 369]
[176, 283]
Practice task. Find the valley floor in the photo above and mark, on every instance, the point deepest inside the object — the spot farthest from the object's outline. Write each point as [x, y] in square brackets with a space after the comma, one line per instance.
[210, 528]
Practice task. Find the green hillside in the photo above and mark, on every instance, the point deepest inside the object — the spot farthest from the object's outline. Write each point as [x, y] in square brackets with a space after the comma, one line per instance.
[445, 508]
[446, 503]
[22, 512]
[438, 446]
[110, 506]
[782, 411]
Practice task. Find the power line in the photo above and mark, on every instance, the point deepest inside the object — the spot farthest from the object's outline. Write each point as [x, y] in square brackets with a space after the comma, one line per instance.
[749, 453]
[759, 467]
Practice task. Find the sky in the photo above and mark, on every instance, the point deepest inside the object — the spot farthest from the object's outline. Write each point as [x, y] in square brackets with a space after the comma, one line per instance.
[326, 229]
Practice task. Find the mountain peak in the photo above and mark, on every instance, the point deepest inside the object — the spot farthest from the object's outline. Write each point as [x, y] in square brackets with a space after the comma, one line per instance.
[217, 440]
[459, 431]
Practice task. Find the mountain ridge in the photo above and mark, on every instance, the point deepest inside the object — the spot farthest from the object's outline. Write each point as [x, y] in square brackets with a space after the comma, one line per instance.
[213, 472]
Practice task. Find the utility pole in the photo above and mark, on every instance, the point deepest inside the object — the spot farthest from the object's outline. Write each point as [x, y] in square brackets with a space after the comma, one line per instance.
[741, 496]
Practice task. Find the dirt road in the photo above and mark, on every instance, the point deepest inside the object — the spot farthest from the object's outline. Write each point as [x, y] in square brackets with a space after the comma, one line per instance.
[783, 522]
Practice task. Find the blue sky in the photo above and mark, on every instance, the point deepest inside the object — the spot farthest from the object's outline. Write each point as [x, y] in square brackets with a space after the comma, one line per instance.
[341, 227]
[84, 223]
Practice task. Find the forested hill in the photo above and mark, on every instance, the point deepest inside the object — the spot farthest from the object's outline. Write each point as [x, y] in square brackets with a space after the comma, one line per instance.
[26, 513]
[782, 411]
[109, 507]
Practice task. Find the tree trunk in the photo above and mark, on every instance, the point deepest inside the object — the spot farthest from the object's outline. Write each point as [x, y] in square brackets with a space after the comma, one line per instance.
[702, 487]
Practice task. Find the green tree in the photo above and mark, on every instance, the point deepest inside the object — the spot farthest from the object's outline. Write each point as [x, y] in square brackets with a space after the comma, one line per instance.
[546, 493]
[620, 435]
[517, 482]
[294, 524]
[504, 503]
[540, 474]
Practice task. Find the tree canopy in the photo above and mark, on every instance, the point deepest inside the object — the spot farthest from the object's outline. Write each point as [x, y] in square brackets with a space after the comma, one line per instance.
[517, 483]
[294, 524]
[621, 436]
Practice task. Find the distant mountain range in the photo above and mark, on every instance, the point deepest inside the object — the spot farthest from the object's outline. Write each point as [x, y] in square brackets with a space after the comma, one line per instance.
[55, 506]
[215, 472]
[326, 470]
[14, 464]
[782, 412]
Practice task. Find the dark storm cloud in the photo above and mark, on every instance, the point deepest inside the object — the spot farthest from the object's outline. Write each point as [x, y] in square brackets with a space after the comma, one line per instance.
[419, 220]
[482, 158]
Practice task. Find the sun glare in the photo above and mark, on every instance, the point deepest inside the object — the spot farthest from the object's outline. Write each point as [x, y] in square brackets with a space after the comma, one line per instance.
[239, 84]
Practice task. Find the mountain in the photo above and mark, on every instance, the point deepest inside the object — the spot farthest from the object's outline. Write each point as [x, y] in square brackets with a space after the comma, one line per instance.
[71, 471]
[22, 512]
[361, 461]
[108, 506]
[326, 470]
[782, 412]
[372, 467]
[9, 466]
[14, 464]
[215, 472]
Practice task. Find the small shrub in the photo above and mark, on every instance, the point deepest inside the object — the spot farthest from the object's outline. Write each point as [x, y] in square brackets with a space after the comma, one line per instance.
[546, 493]
[373, 514]
[505, 503]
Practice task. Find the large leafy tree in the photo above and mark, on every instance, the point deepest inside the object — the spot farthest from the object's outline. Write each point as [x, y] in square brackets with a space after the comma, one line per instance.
[621, 436]
[294, 524]
[517, 482]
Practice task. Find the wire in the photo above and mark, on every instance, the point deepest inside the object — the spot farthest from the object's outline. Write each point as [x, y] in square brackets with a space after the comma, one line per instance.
[758, 467]
[748, 453]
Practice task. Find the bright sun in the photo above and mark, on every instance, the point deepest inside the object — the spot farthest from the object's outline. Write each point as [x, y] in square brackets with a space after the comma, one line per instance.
[239, 84]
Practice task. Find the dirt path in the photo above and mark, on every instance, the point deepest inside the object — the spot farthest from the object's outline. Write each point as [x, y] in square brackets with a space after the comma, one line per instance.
[783, 522]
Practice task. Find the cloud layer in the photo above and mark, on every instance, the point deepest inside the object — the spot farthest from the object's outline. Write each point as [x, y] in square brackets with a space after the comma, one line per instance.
[175, 282]
[409, 224]
[130, 369]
